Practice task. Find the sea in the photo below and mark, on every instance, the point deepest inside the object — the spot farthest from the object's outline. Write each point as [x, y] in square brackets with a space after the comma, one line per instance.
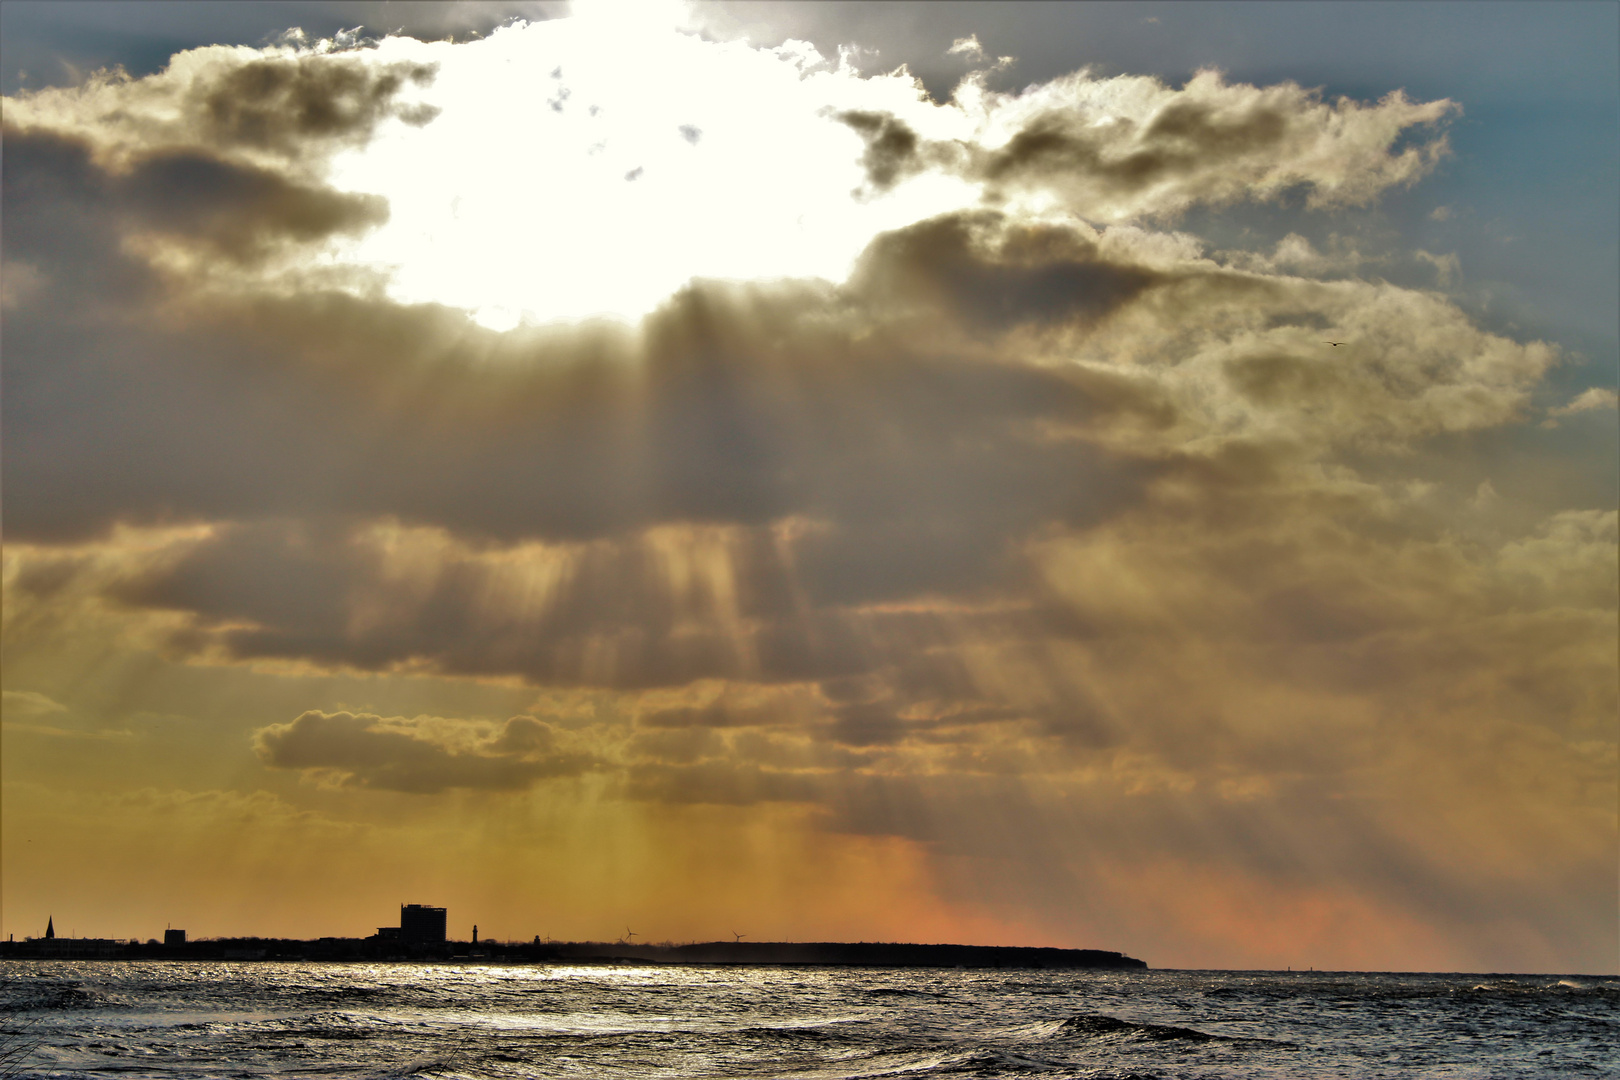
[137, 1019]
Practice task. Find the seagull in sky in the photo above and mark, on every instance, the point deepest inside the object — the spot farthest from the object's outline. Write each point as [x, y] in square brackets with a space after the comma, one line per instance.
[1335, 344]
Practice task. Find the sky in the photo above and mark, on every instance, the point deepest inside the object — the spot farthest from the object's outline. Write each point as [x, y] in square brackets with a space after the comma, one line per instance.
[1136, 476]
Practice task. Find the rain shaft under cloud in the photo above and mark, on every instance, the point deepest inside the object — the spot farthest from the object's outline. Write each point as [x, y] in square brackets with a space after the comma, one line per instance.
[1033, 569]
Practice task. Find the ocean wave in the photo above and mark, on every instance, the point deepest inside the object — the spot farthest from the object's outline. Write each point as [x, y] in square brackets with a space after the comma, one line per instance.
[979, 1062]
[813, 1033]
[904, 994]
[1038, 988]
[1565, 986]
[340, 994]
[1085, 1025]
[329, 1026]
[48, 996]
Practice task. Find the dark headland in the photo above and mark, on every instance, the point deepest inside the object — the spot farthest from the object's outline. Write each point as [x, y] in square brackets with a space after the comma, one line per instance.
[422, 935]
[740, 953]
[853, 954]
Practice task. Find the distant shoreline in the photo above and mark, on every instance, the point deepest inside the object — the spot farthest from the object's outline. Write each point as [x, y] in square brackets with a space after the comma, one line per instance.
[724, 953]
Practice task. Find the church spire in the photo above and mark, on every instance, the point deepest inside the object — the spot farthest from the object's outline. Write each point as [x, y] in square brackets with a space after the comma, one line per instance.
[50, 927]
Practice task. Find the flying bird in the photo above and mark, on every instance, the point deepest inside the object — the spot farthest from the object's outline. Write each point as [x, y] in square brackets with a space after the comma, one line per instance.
[1335, 344]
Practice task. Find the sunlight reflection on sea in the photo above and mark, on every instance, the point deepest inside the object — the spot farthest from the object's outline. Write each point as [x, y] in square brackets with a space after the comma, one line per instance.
[177, 1019]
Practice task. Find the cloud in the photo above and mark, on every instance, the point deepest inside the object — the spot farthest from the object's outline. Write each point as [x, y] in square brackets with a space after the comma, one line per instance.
[728, 705]
[72, 217]
[891, 147]
[1131, 147]
[18, 282]
[578, 434]
[286, 103]
[1446, 267]
[989, 273]
[30, 703]
[1210, 142]
[283, 105]
[237, 212]
[420, 756]
[716, 784]
[1588, 400]
[1105, 149]
[713, 499]
[1296, 255]
[1569, 556]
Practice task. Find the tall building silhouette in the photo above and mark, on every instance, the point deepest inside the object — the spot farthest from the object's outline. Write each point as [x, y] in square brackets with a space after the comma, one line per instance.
[421, 925]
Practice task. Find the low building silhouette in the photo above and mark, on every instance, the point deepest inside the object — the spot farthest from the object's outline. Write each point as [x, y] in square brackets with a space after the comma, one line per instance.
[51, 947]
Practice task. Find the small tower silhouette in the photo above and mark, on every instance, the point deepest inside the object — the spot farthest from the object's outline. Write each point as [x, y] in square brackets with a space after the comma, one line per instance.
[50, 927]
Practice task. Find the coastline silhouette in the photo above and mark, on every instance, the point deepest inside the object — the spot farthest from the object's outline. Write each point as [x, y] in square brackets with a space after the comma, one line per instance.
[422, 935]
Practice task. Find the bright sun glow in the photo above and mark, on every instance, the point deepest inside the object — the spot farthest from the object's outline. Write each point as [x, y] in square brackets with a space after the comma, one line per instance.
[596, 193]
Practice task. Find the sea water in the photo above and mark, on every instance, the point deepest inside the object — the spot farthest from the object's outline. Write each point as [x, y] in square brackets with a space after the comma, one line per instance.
[260, 1019]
